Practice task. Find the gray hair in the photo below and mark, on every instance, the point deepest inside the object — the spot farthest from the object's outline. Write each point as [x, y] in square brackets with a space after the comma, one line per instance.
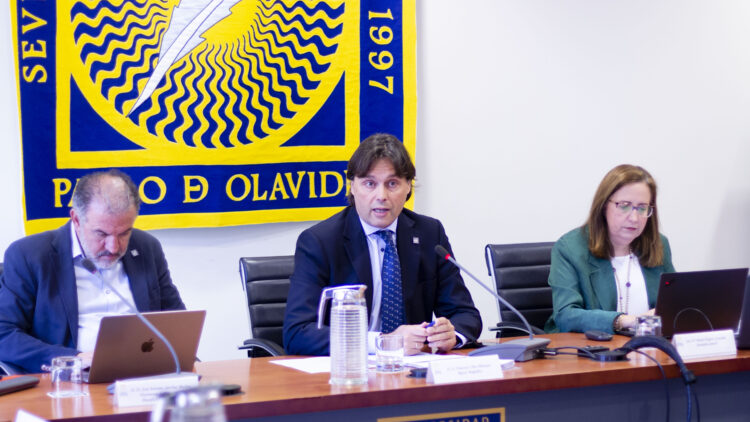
[114, 187]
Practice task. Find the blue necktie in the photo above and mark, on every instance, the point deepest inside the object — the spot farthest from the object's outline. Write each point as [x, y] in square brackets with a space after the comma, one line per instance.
[392, 301]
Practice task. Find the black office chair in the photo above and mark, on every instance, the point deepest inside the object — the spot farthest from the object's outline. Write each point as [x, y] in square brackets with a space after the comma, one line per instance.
[265, 281]
[521, 271]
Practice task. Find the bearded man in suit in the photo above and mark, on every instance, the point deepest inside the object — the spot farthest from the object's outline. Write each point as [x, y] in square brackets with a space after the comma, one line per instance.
[50, 305]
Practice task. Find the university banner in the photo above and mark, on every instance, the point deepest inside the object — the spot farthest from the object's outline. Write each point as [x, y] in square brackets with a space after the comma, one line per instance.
[224, 112]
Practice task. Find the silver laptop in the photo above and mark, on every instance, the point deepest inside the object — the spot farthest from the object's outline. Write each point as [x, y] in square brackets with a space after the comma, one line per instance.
[700, 300]
[127, 348]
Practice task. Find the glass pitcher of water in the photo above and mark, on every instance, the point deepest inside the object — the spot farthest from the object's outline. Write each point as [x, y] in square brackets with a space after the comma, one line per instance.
[348, 342]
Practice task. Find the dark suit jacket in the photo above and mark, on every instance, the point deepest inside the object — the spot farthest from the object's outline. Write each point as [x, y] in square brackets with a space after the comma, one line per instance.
[584, 296]
[335, 252]
[39, 298]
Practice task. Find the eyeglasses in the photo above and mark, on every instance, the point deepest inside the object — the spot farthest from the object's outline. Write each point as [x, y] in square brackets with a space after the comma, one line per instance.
[625, 207]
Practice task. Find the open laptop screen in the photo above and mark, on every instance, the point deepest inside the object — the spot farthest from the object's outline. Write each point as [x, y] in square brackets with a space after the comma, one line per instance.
[126, 347]
[700, 300]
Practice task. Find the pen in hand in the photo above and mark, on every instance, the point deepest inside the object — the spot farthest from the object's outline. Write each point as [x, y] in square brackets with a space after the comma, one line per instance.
[432, 349]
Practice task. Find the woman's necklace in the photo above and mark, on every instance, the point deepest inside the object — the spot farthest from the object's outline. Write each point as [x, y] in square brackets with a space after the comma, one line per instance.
[627, 287]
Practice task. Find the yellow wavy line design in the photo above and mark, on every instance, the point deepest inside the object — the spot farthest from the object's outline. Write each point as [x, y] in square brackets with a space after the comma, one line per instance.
[153, 111]
[276, 83]
[277, 61]
[218, 97]
[217, 87]
[231, 97]
[202, 103]
[128, 20]
[169, 101]
[256, 88]
[263, 88]
[251, 99]
[120, 60]
[309, 19]
[296, 25]
[130, 73]
[191, 99]
[309, 3]
[82, 19]
[310, 48]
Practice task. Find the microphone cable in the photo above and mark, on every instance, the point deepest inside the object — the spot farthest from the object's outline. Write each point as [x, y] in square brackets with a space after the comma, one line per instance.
[665, 346]
[683, 310]
[89, 266]
[592, 352]
[666, 381]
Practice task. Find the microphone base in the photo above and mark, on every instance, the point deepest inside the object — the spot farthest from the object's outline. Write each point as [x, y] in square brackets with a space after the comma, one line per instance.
[520, 350]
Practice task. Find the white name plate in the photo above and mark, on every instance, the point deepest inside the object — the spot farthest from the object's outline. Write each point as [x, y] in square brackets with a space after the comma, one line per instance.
[146, 390]
[705, 344]
[24, 416]
[474, 368]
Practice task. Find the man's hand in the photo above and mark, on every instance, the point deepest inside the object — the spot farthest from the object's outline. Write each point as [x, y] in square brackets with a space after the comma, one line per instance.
[441, 335]
[414, 337]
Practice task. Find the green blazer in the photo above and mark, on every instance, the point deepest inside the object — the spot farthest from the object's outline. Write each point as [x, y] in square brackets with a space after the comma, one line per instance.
[584, 296]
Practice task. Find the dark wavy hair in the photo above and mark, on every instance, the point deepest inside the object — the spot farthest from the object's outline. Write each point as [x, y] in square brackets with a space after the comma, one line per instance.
[647, 246]
[377, 147]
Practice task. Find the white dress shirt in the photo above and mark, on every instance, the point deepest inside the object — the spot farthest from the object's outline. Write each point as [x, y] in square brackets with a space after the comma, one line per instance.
[376, 246]
[631, 300]
[95, 300]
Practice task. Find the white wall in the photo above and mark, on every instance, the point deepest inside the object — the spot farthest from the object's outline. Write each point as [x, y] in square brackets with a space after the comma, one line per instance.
[523, 107]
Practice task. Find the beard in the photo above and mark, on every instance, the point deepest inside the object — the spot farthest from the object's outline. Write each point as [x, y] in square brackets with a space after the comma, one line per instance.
[104, 260]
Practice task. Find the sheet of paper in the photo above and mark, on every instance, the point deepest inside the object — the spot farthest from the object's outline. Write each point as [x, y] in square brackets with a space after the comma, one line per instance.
[423, 359]
[24, 416]
[319, 364]
[420, 360]
[313, 365]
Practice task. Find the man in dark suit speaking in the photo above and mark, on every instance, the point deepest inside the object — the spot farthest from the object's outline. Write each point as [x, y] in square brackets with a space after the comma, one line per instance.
[378, 243]
[50, 305]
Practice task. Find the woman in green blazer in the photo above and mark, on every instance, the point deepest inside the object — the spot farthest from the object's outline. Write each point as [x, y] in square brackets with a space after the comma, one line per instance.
[606, 273]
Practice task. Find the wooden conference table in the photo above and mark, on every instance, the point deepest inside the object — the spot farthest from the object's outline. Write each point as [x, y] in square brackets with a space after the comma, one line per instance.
[562, 387]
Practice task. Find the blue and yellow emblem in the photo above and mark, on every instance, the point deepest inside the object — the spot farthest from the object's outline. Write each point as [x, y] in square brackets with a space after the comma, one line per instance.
[224, 112]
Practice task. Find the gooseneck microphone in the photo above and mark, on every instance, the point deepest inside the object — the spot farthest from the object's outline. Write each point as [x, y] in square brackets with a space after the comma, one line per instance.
[90, 267]
[520, 349]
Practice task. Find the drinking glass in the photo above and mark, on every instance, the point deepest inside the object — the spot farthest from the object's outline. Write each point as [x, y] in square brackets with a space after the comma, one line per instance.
[389, 350]
[648, 325]
[66, 373]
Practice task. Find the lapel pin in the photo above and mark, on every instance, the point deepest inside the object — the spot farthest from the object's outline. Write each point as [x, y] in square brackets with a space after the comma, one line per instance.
[134, 253]
[415, 240]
